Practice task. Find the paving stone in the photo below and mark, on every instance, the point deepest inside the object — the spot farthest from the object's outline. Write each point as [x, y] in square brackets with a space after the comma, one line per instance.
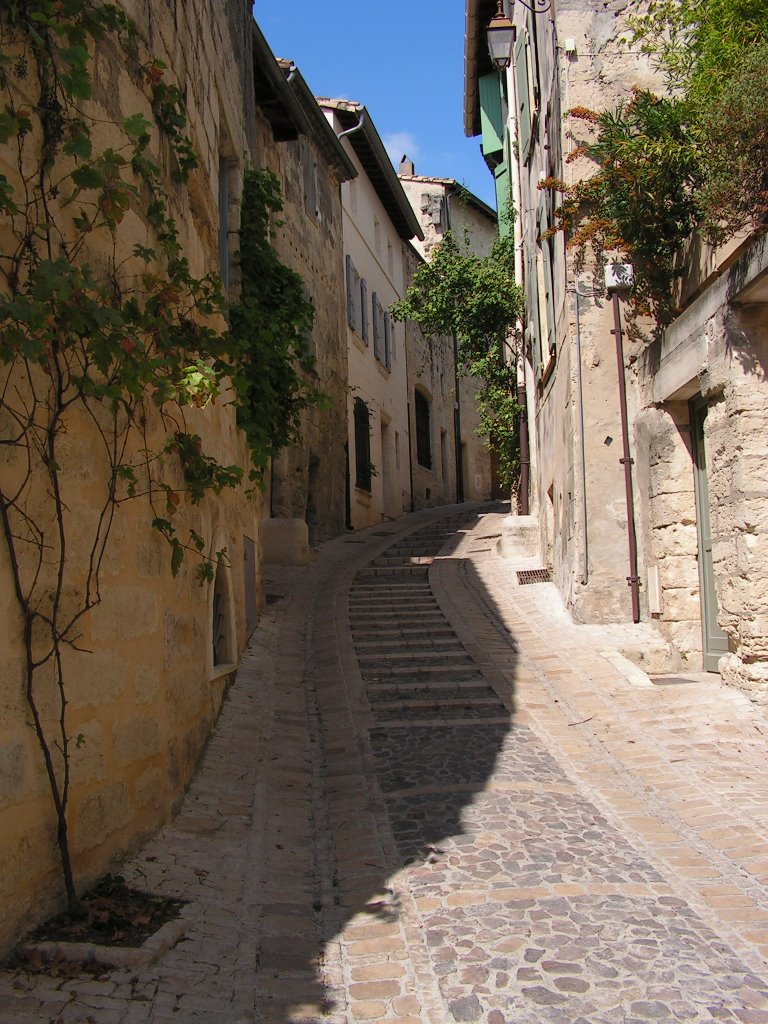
[478, 819]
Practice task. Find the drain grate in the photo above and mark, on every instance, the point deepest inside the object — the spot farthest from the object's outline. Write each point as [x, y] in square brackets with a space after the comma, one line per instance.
[525, 576]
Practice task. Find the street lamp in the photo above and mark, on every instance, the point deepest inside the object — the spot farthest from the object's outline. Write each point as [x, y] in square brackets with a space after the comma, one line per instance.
[501, 35]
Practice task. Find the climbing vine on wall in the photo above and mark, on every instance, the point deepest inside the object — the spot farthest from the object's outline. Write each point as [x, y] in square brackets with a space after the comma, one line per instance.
[694, 158]
[107, 346]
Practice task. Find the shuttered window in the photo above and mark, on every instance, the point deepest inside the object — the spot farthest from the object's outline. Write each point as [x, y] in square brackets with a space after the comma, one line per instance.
[362, 418]
[353, 295]
[524, 93]
[388, 341]
[548, 278]
[364, 310]
[378, 327]
[423, 430]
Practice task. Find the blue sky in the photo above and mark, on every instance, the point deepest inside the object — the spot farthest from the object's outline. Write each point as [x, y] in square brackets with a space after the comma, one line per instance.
[404, 59]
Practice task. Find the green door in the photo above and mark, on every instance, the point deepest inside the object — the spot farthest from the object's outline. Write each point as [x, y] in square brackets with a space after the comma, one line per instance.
[714, 640]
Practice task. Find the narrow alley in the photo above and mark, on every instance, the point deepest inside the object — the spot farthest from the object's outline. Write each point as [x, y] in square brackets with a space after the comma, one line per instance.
[430, 798]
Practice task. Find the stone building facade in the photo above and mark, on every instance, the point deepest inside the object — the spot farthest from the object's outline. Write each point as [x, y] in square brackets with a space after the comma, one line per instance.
[696, 397]
[376, 219]
[159, 650]
[308, 480]
[463, 468]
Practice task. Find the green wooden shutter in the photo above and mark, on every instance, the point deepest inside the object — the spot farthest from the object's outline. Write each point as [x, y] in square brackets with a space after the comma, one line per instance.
[546, 251]
[350, 268]
[532, 311]
[501, 176]
[491, 113]
[522, 85]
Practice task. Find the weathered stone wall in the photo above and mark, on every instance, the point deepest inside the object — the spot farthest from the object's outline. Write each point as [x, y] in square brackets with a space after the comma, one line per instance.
[142, 703]
[308, 480]
[736, 431]
[441, 207]
[431, 370]
[578, 479]
[716, 353]
[666, 503]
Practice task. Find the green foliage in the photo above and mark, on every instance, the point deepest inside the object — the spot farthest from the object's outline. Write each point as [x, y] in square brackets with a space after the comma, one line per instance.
[695, 158]
[125, 342]
[642, 200]
[477, 301]
[269, 328]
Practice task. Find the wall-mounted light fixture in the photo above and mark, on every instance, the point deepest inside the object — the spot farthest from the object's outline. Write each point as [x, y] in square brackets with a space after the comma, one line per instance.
[501, 32]
[501, 35]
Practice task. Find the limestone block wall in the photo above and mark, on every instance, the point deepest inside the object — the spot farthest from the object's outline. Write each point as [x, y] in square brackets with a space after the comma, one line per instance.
[431, 370]
[144, 692]
[667, 526]
[308, 480]
[578, 480]
[441, 206]
[715, 353]
[737, 427]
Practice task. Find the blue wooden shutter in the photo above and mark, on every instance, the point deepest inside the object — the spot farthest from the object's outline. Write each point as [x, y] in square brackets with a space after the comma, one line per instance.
[364, 310]
[350, 267]
[387, 341]
[376, 326]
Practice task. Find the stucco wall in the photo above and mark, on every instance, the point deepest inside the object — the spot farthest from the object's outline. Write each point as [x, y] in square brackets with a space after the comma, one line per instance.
[142, 703]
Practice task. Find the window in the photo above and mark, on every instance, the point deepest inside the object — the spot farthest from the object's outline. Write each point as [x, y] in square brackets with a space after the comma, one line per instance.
[221, 622]
[525, 96]
[548, 336]
[388, 341]
[362, 418]
[423, 439]
[353, 295]
[378, 328]
[364, 310]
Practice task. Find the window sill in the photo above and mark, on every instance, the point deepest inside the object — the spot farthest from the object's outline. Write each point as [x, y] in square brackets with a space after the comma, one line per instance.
[363, 496]
[546, 372]
[360, 343]
[225, 669]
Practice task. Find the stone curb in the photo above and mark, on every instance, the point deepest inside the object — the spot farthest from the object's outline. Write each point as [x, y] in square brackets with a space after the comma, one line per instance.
[149, 952]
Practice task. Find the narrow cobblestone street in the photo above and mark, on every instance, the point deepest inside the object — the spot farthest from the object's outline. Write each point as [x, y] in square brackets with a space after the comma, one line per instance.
[432, 799]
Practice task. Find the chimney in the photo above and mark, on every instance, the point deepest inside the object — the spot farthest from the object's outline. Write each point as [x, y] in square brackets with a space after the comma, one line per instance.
[406, 166]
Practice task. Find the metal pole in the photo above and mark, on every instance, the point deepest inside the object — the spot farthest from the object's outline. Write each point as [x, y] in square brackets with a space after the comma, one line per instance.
[633, 579]
[525, 452]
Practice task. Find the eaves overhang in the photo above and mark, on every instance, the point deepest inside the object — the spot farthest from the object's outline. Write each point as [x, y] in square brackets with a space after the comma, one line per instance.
[369, 150]
[321, 131]
[477, 61]
[273, 94]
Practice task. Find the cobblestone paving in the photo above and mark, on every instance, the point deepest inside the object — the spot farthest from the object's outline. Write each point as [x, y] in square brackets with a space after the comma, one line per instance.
[431, 800]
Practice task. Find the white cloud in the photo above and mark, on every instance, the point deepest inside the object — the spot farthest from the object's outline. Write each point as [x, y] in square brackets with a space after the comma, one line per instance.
[398, 144]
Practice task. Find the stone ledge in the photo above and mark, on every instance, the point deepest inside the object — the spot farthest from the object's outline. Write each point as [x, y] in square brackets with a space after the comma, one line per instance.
[149, 952]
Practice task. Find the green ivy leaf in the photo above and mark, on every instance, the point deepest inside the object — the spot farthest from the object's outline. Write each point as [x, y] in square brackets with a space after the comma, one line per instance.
[87, 177]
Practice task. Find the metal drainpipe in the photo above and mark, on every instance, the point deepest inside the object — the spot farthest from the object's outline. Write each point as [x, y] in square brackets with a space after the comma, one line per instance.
[525, 451]
[580, 379]
[633, 579]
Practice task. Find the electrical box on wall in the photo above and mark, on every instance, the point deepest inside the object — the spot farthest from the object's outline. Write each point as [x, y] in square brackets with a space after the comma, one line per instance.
[618, 276]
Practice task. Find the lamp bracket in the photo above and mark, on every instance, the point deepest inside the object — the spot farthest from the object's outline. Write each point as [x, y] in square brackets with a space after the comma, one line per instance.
[536, 6]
